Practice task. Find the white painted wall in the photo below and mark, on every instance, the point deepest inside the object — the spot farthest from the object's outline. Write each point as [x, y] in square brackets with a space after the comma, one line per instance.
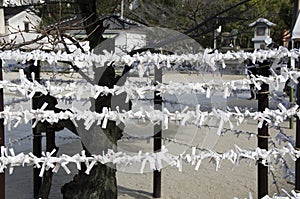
[17, 23]
[126, 41]
[22, 17]
[135, 41]
[120, 42]
[2, 22]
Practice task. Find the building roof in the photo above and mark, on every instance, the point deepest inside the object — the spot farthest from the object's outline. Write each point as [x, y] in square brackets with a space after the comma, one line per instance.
[262, 20]
[113, 21]
[116, 22]
[10, 12]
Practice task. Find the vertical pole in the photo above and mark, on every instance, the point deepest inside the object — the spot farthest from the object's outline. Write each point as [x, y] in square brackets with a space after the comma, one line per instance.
[37, 151]
[122, 9]
[47, 178]
[263, 103]
[297, 164]
[294, 18]
[2, 21]
[2, 175]
[37, 136]
[50, 139]
[157, 133]
[291, 100]
[215, 39]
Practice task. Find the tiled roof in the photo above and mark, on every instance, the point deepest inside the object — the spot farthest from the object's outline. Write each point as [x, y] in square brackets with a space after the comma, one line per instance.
[12, 11]
[262, 20]
[113, 21]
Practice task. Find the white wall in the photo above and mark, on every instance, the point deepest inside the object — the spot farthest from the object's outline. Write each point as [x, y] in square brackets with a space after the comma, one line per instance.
[121, 42]
[22, 17]
[135, 41]
[17, 23]
[2, 22]
[127, 41]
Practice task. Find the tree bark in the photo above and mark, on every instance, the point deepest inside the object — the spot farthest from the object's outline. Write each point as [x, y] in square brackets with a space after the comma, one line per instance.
[93, 25]
[101, 182]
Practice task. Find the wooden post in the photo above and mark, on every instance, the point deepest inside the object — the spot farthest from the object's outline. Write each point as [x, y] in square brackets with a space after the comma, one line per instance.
[263, 103]
[297, 164]
[50, 139]
[158, 134]
[37, 151]
[37, 136]
[44, 190]
[291, 100]
[2, 138]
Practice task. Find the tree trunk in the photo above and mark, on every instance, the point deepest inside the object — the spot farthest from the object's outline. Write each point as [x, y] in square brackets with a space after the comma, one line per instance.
[101, 182]
[93, 26]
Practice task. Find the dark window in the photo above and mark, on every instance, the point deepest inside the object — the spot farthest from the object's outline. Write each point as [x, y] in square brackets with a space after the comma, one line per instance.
[260, 31]
[26, 26]
[262, 46]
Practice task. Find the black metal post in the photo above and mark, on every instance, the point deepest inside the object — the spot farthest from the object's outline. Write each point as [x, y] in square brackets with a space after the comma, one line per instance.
[157, 134]
[37, 136]
[263, 135]
[2, 175]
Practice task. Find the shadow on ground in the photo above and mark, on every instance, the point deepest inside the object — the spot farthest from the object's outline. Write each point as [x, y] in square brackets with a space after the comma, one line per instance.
[137, 194]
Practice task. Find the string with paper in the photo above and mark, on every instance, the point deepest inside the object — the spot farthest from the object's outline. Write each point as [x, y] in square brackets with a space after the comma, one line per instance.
[214, 59]
[9, 159]
[185, 117]
[12, 142]
[138, 90]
